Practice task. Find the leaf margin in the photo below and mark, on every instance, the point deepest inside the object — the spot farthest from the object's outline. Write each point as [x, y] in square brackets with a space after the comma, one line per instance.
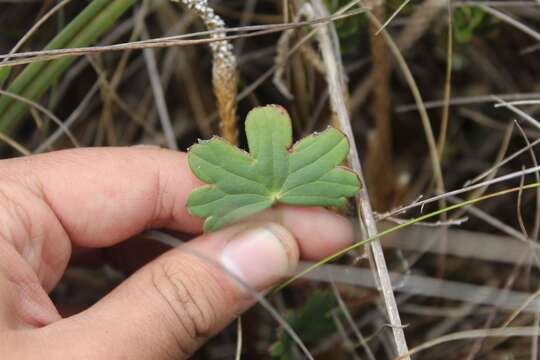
[228, 216]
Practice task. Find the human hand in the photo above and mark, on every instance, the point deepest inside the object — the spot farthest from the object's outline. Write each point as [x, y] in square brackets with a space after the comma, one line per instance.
[99, 197]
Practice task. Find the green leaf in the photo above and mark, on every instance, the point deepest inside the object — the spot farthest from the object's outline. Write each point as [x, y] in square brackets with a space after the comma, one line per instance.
[277, 349]
[467, 21]
[312, 322]
[241, 184]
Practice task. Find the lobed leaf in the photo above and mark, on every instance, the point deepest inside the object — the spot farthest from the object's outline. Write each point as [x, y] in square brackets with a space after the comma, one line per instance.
[269, 134]
[232, 170]
[242, 184]
[331, 189]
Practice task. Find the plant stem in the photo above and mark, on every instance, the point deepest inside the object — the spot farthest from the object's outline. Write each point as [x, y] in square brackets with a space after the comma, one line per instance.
[38, 77]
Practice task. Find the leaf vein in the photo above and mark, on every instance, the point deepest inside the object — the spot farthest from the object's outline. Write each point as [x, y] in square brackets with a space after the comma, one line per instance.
[312, 162]
[228, 171]
[318, 182]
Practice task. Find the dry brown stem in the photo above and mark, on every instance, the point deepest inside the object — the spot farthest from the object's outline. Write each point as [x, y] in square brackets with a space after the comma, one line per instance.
[329, 46]
[381, 148]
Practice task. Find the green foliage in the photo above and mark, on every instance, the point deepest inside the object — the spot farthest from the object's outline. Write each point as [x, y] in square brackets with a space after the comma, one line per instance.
[312, 322]
[38, 77]
[241, 184]
[468, 21]
[350, 29]
[4, 74]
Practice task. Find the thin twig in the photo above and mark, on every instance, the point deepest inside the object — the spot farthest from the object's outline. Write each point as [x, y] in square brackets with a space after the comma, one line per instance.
[36, 26]
[163, 42]
[499, 225]
[42, 109]
[424, 117]
[536, 227]
[518, 111]
[398, 10]
[473, 334]
[255, 84]
[447, 84]
[159, 96]
[14, 144]
[510, 20]
[421, 285]
[451, 222]
[520, 102]
[361, 339]
[469, 100]
[112, 95]
[500, 156]
[523, 306]
[70, 120]
[503, 162]
[435, 161]
[238, 355]
[432, 199]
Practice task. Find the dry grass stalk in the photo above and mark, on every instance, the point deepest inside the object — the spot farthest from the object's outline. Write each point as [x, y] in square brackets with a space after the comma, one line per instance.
[329, 46]
[159, 95]
[441, 262]
[350, 320]
[14, 144]
[381, 167]
[415, 28]
[447, 85]
[184, 40]
[474, 334]
[426, 123]
[43, 110]
[500, 299]
[111, 97]
[36, 26]
[224, 72]
[419, 22]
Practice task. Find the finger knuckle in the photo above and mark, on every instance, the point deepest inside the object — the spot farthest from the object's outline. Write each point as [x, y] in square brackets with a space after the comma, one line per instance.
[189, 295]
[18, 224]
[165, 210]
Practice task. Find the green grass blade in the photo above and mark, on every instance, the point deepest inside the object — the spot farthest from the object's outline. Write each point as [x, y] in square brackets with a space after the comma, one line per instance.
[38, 77]
[4, 74]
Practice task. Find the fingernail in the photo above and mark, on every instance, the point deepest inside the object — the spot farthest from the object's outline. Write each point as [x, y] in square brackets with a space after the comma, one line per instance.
[261, 256]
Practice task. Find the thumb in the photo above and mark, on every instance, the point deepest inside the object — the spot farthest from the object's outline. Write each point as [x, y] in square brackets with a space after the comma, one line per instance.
[172, 305]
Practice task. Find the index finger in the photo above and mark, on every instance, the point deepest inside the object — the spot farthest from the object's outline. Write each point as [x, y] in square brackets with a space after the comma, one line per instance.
[102, 196]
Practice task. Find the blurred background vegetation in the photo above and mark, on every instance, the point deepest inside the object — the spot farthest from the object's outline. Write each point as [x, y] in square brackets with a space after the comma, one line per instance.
[475, 64]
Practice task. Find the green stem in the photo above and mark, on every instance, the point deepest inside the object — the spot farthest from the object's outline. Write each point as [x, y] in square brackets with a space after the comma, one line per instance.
[38, 77]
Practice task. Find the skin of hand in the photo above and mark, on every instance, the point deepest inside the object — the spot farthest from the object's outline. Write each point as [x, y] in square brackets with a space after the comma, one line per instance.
[100, 197]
